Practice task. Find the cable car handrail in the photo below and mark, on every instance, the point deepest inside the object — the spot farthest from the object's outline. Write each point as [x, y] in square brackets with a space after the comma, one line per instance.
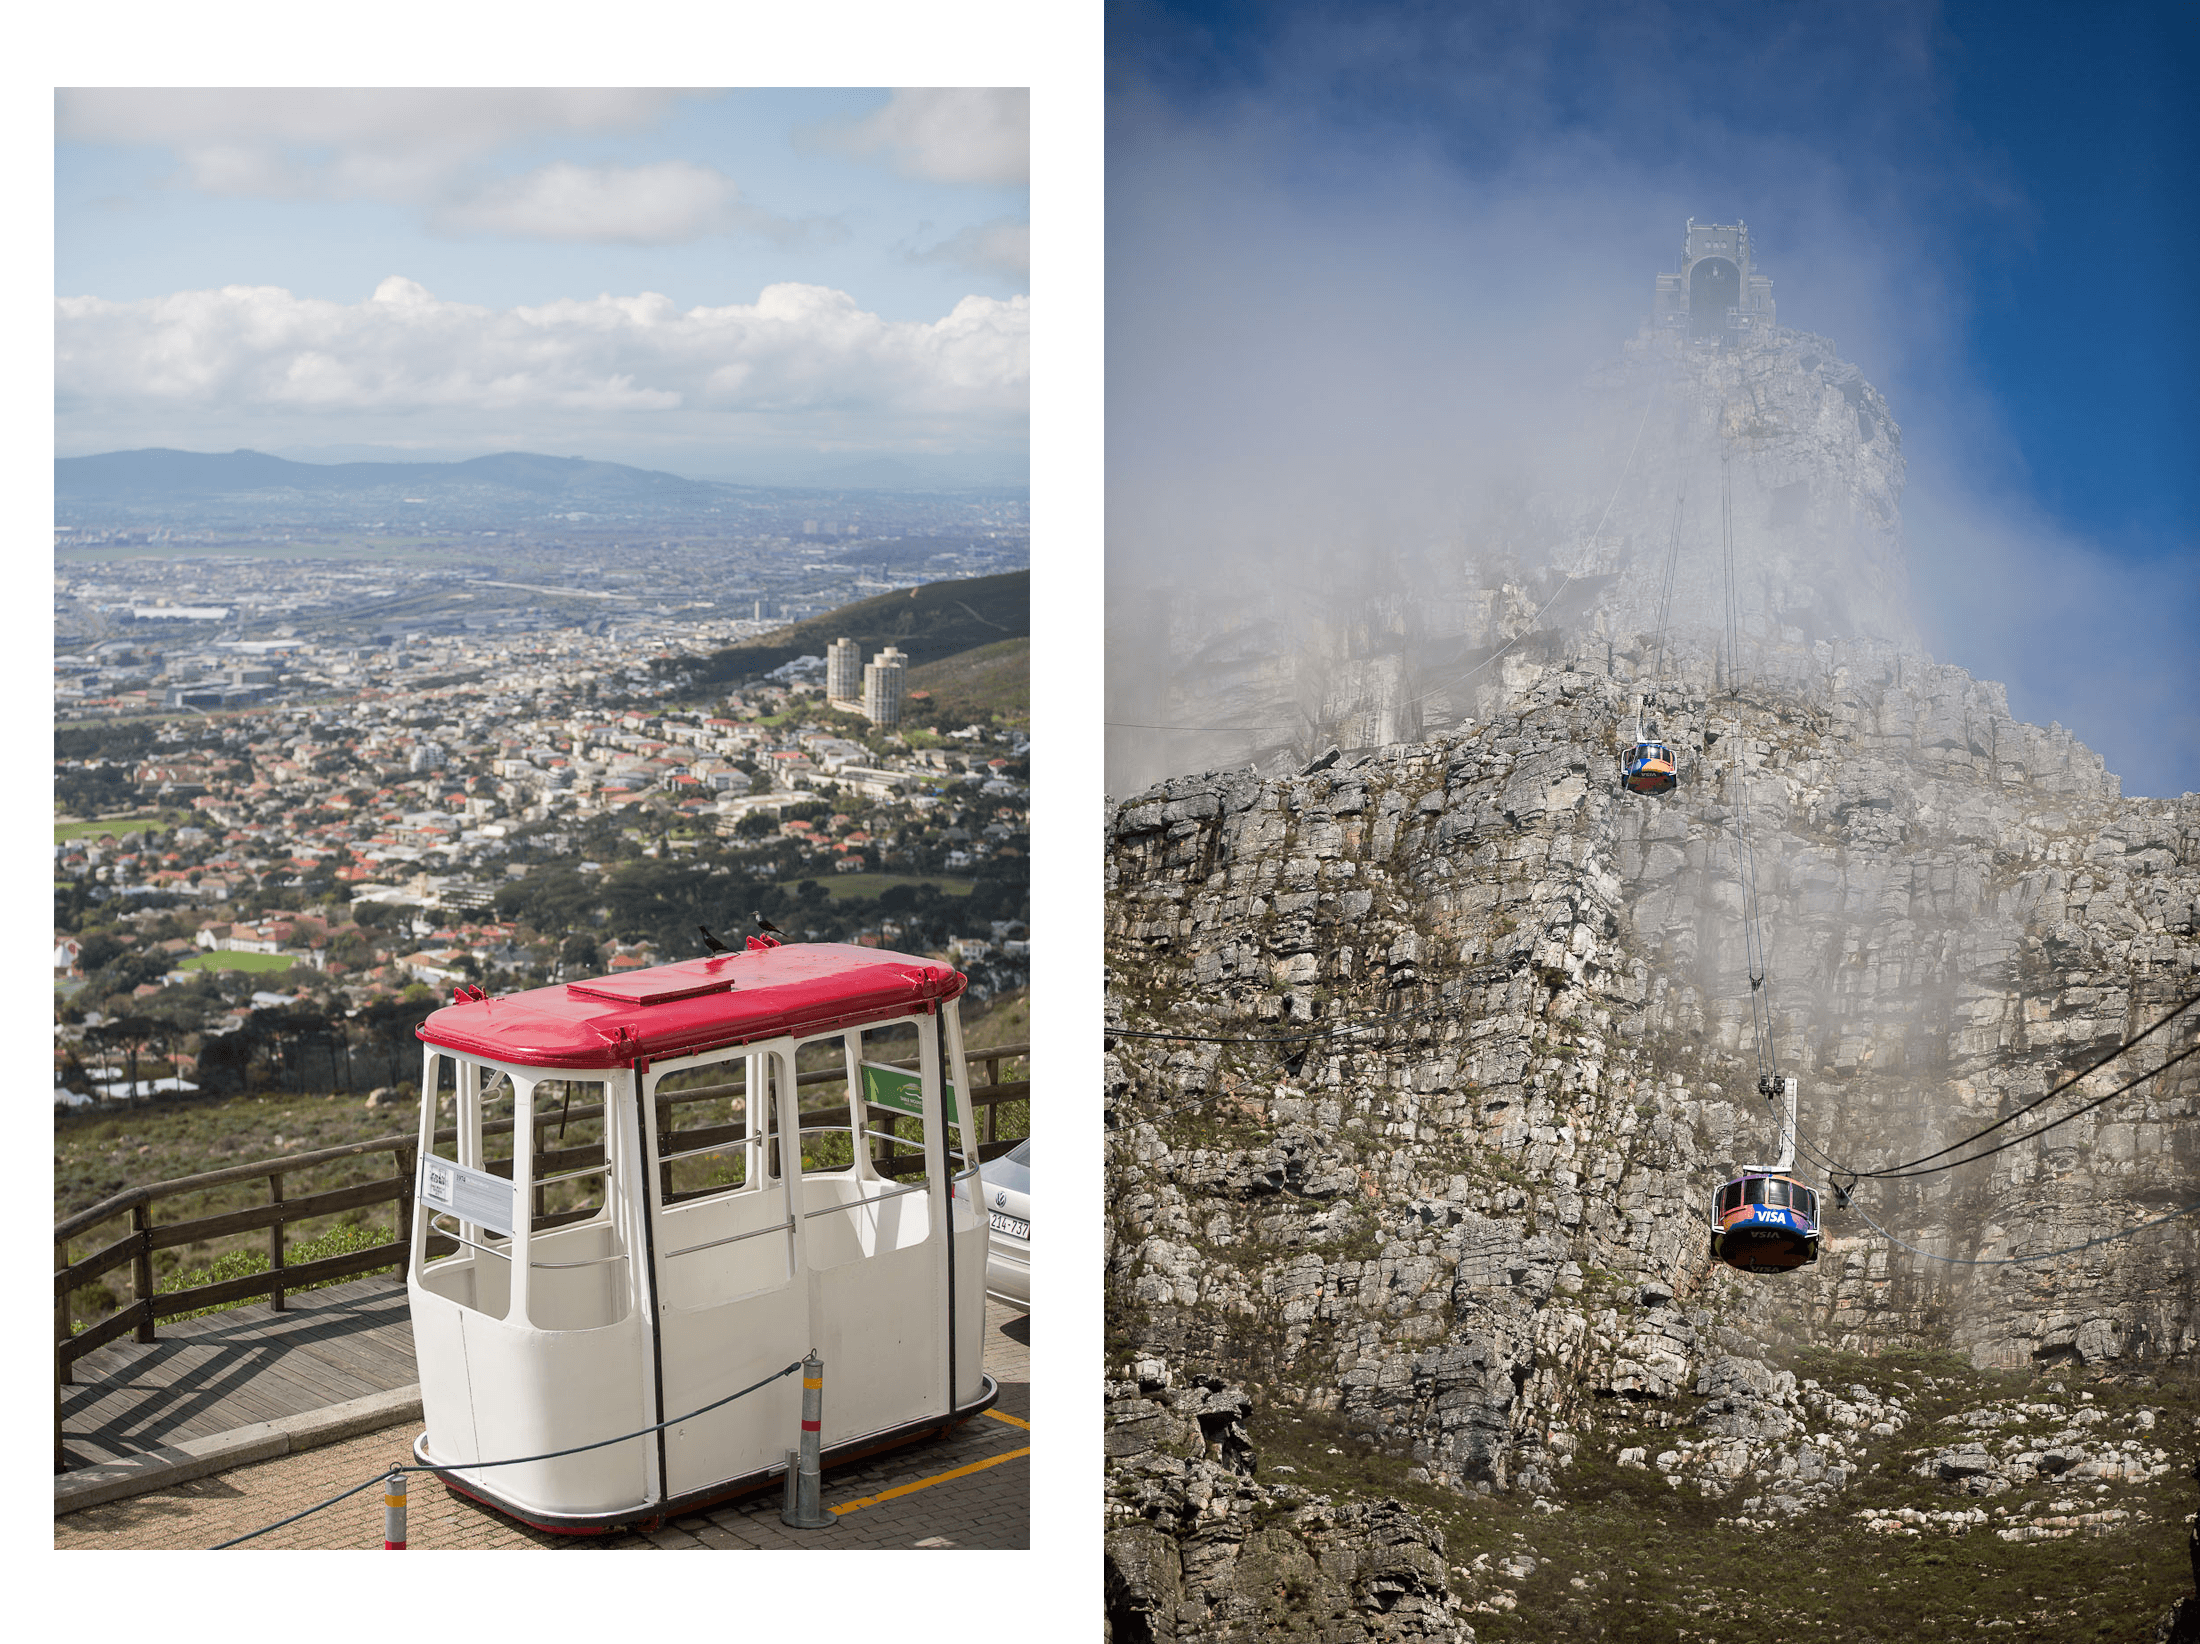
[740, 1144]
[876, 1198]
[593, 1261]
[733, 1238]
[485, 1249]
[571, 1175]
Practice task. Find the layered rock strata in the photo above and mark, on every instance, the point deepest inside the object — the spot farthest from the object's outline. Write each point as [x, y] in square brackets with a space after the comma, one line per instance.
[1467, 1209]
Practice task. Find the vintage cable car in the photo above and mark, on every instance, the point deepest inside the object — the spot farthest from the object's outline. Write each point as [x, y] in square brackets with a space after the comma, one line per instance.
[608, 1269]
[1764, 1220]
[1648, 768]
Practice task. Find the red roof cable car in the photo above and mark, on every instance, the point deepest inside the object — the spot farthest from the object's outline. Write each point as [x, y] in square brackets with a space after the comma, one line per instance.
[596, 1269]
[1764, 1220]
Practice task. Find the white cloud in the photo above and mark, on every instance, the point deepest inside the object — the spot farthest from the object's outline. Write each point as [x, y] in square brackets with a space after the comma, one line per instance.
[403, 146]
[663, 204]
[1002, 246]
[252, 360]
[945, 135]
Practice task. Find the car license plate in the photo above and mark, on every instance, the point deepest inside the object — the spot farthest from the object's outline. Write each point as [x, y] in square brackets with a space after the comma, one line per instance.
[1010, 1225]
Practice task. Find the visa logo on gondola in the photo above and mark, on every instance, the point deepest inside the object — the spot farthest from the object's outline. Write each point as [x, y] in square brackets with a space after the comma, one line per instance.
[1767, 1214]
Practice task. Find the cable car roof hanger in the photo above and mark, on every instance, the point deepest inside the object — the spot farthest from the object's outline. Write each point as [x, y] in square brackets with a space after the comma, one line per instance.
[609, 1270]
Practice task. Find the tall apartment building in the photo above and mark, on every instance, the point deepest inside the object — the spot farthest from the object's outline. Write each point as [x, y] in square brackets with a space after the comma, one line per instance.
[882, 685]
[844, 671]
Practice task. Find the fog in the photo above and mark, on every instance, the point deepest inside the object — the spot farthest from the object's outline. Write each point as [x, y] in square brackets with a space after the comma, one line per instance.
[1360, 278]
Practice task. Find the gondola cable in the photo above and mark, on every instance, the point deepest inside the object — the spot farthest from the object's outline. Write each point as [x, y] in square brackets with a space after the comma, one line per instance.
[2045, 1255]
[1665, 597]
[2029, 1135]
[1903, 1172]
[2083, 1073]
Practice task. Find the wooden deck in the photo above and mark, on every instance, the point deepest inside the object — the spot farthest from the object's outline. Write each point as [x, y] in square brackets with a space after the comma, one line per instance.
[245, 1365]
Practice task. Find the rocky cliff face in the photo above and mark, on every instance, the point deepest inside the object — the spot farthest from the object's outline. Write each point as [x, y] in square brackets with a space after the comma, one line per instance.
[1466, 1227]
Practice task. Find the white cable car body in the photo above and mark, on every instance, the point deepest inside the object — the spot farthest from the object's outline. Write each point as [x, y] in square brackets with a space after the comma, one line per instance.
[543, 1331]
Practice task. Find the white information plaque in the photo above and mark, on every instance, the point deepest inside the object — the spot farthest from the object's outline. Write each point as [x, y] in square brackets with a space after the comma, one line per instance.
[470, 1195]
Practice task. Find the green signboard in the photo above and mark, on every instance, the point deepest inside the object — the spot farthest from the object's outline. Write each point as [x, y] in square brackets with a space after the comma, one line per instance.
[899, 1089]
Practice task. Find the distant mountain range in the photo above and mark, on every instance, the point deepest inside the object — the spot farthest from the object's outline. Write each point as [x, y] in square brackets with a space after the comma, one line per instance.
[160, 476]
[145, 476]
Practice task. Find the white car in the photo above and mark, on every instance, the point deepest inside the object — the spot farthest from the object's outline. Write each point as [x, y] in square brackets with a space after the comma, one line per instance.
[1006, 1183]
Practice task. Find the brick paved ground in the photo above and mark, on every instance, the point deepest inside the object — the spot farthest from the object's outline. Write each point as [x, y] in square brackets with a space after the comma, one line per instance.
[987, 1508]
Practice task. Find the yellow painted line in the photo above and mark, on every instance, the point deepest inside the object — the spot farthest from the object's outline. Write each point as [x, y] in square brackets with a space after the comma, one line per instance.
[927, 1483]
[1013, 1421]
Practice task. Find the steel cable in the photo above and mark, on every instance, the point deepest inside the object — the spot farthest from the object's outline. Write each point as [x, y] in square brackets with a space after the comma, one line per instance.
[1902, 1175]
[2083, 1073]
[2045, 1255]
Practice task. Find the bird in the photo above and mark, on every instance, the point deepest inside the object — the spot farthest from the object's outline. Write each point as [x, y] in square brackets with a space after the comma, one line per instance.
[767, 927]
[711, 942]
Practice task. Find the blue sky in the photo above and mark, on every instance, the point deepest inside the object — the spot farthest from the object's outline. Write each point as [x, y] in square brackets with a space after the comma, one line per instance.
[732, 283]
[1987, 207]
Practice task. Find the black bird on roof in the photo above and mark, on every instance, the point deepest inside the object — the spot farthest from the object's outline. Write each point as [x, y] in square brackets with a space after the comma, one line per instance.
[767, 927]
[711, 942]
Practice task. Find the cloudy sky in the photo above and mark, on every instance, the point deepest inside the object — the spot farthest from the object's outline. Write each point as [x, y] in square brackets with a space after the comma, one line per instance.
[735, 284]
[1349, 244]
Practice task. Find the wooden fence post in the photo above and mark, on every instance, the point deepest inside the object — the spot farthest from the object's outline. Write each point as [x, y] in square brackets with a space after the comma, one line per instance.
[63, 1372]
[405, 1210]
[275, 1241]
[141, 1265]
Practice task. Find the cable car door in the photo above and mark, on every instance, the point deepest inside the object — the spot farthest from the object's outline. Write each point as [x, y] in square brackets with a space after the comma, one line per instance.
[726, 1257]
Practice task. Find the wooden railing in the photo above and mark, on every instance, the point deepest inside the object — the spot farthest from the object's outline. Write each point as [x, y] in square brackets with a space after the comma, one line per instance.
[134, 1249]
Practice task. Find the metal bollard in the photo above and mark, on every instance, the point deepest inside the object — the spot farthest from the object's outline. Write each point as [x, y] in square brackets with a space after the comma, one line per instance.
[393, 1511]
[803, 1510]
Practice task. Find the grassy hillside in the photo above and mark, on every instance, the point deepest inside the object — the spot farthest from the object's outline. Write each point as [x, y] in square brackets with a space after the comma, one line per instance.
[991, 680]
[929, 623]
[1619, 1553]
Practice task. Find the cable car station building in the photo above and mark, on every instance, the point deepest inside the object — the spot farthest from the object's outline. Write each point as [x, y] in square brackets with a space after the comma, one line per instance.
[1717, 297]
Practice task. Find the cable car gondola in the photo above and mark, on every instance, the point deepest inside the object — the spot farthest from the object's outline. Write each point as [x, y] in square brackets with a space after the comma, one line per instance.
[1648, 768]
[1765, 1224]
[586, 1285]
[1764, 1220]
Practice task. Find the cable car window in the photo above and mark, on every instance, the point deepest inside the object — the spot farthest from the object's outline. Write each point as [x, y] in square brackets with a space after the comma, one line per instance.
[499, 1103]
[1776, 1194]
[467, 1115]
[894, 1136]
[703, 1131]
[821, 1082]
[1807, 1202]
[568, 1159]
[1755, 1190]
[1730, 1197]
[442, 1097]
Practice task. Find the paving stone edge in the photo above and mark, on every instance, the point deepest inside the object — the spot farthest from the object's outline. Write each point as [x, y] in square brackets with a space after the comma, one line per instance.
[217, 1452]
